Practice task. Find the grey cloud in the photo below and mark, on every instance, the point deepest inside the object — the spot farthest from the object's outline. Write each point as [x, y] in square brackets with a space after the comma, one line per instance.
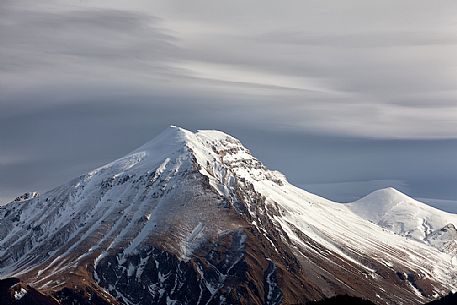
[77, 42]
[112, 48]
[360, 39]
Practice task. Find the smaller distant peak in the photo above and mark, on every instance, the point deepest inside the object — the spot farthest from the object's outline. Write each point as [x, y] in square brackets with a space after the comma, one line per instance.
[388, 194]
[390, 190]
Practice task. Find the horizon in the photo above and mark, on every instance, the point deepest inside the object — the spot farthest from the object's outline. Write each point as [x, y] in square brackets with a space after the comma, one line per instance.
[330, 193]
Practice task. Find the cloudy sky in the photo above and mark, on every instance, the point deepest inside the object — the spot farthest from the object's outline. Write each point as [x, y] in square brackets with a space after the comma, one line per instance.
[344, 97]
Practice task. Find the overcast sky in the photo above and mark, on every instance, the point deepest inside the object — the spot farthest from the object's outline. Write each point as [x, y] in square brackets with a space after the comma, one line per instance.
[341, 96]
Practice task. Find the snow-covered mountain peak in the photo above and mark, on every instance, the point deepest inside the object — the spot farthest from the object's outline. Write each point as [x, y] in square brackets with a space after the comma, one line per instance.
[385, 196]
[215, 154]
[175, 137]
[168, 141]
[403, 215]
[377, 204]
[390, 192]
[172, 143]
[203, 144]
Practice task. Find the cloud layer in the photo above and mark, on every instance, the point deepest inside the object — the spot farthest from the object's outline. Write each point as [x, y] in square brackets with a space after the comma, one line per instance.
[378, 69]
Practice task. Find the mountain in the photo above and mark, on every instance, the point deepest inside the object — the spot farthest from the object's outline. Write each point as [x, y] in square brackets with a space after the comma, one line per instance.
[194, 218]
[405, 216]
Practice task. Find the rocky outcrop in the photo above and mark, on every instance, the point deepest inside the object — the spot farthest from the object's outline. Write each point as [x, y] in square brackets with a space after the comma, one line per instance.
[15, 292]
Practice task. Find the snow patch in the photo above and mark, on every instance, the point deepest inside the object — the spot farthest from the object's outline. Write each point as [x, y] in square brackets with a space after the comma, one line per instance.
[20, 294]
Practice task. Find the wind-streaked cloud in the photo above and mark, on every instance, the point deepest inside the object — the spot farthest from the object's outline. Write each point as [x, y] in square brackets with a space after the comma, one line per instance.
[320, 58]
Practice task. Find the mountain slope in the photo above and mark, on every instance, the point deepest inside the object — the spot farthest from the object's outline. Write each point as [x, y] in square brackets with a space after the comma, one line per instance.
[405, 216]
[194, 218]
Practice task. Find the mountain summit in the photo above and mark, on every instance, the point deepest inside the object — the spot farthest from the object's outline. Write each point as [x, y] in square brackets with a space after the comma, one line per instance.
[194, 218]
[401, 214]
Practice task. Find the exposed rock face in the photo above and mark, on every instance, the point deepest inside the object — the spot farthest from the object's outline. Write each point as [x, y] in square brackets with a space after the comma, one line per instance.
[194, 218]
[14, 292]
[444, 239]
[26, 196]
